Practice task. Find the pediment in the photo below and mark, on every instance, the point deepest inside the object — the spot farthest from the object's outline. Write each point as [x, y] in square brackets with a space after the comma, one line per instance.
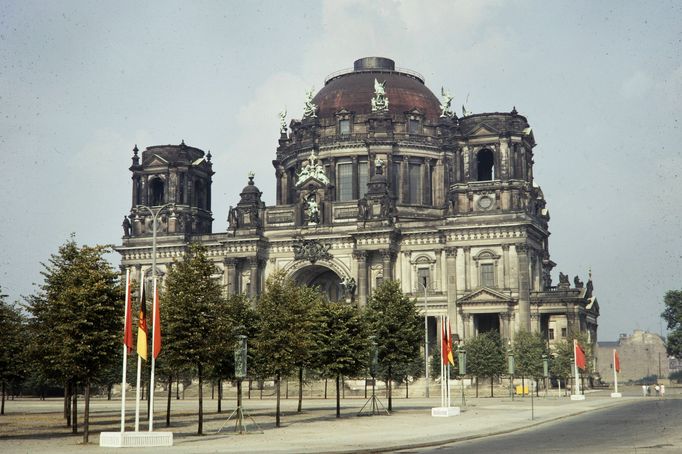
[485, 295]
[157, 161]
[484, 130]
[415, 111]
[312, 183]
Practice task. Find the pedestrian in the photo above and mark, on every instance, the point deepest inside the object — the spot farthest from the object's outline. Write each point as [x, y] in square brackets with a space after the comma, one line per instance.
[648, 390]
[658, 390]
[643, 390]
[662, 390]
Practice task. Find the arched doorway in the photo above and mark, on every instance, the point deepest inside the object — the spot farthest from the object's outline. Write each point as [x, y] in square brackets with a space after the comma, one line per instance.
[326, 280]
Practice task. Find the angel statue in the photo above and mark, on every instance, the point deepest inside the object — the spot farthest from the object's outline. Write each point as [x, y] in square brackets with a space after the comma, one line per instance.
[380, 100]
[445, 111]
[283, 121]
[309, 109]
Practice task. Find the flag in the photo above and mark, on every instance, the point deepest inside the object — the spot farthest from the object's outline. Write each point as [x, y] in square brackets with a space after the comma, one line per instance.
[444, 342]
[451, 358]
[157, 324]
[128, 330]
[580, 361]
[616, 360]
[142, 327]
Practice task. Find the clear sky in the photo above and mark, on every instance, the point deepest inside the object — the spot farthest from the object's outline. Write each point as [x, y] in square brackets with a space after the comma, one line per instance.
[600, 82]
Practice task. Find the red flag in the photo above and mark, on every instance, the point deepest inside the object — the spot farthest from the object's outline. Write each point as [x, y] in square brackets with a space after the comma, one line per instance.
[128, 330]
[616, 360]
[157, 324]
[580, 361]
[445, 347]
[142, 326]
[451, 358]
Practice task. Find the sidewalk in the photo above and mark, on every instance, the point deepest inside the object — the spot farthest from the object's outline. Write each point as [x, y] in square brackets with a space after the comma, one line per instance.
[316, 430]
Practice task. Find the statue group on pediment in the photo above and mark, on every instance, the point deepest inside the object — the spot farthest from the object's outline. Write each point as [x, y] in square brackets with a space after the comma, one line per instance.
[313, 169]
[380, 100]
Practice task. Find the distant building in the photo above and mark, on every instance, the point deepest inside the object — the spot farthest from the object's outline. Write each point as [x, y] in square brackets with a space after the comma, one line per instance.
[641, 354]
[378, 180]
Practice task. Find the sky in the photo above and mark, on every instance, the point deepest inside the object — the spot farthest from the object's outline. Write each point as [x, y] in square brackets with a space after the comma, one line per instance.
[82, 82]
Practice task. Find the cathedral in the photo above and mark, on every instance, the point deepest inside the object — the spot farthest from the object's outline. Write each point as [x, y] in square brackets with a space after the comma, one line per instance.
[379, 179]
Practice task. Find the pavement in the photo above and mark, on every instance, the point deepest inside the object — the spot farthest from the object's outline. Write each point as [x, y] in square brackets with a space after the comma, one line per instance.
[34, 426]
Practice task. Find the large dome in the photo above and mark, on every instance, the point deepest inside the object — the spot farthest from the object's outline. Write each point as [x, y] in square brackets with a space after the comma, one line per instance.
[353, 90]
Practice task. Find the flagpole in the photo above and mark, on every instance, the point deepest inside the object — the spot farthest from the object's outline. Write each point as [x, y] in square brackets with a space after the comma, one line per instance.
[575, 366]
[615, 372]
[443, 370]
[151, 381]
[137, 394]
[125, 354]
[447, 367]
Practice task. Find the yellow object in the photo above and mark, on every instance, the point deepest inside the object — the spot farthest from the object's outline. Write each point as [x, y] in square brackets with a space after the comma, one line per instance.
[518, 390]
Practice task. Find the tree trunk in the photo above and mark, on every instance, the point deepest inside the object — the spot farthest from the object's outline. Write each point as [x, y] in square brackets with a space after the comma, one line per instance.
[220, 396]
[286, 389]
[300, 389]
[338, 400]
[74, 409]
[177, 388]
[277, 389]
[2, 409]
[325, 388]
[200, 429]
[109, 386]
[212, 390]
[491, 386]
[365, 387]
[523, 386]
[388, 389]
[407, 389]
[86, 413]
[476, 386]
[239, 393]
[67, 403]
[343, 387]
[249, 390]
[168, 400]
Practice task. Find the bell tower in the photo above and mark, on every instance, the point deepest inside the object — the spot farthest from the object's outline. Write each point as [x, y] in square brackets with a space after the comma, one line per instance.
[178, 177]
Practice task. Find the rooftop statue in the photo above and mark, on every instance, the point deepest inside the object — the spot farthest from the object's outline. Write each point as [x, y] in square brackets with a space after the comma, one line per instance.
[380, 100]
[445, 110]
[312, 169]
[283, 121]
[310, 109]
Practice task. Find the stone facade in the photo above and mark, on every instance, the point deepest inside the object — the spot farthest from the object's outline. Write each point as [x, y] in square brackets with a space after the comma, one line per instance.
[641, 354]
[446, 205]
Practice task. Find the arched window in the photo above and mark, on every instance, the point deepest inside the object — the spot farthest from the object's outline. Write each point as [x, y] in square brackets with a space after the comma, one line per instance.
[486, 165]
[200, 194]
[156, 190]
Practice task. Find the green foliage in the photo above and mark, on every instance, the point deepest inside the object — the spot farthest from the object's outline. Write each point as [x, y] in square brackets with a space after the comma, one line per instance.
[13, 339]
[234, 316]
[76, 322]
[528, 350]
[394, 321]
[191, 302]
[341, 340]
[673, 318]
[562, 360]
[486, 355]
[676, 376]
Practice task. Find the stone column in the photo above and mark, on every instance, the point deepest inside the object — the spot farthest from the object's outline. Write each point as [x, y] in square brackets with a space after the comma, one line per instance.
[426, 183]
[404, 180]
[253, 268]
[505, 265]
[535, 321]
[354, 177]
[361, 259]
[504, 325]
[407, 272]
[450, 272]
[524, 294]
[332, 177]
[467, 268]
[230, 276]
[387, 257]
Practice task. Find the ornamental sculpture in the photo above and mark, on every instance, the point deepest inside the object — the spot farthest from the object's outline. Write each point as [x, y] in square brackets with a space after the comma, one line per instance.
[380, 100]
[445, 110]
[312, 169]
[283, 121]
[310, 109]
[311, 250]
[312, 210]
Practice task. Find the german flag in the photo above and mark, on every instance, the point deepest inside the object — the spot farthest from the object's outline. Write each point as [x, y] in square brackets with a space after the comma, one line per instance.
[142, 327]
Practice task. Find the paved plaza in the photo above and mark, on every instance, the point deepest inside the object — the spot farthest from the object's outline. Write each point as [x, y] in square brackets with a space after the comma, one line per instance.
[31, 425]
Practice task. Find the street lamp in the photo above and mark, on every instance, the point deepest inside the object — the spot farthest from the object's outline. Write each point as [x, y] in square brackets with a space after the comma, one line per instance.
[426, 335]
[545, 371]
[155, 212]
[511, 366]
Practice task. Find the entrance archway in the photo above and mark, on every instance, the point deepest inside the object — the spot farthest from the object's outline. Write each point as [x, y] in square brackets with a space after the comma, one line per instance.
[326, 280]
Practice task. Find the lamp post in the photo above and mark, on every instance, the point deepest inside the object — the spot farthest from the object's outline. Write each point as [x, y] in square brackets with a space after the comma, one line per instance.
[545, 371]
[426, 336]
[511, 365]
[155, 212]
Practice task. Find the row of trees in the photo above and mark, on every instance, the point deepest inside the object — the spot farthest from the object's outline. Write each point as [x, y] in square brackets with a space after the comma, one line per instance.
[487, 357]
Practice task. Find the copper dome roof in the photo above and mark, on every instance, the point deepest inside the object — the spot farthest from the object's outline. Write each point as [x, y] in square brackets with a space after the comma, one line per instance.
[353, 90]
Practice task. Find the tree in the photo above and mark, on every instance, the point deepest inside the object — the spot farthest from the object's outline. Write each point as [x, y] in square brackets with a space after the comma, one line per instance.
[561, 365]
[673, 317]
[77, 318]
[192, 297]
[393, 319]
[528, 351]
[485, 357]
[341, 343]
[281, 321]
[13, 338]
